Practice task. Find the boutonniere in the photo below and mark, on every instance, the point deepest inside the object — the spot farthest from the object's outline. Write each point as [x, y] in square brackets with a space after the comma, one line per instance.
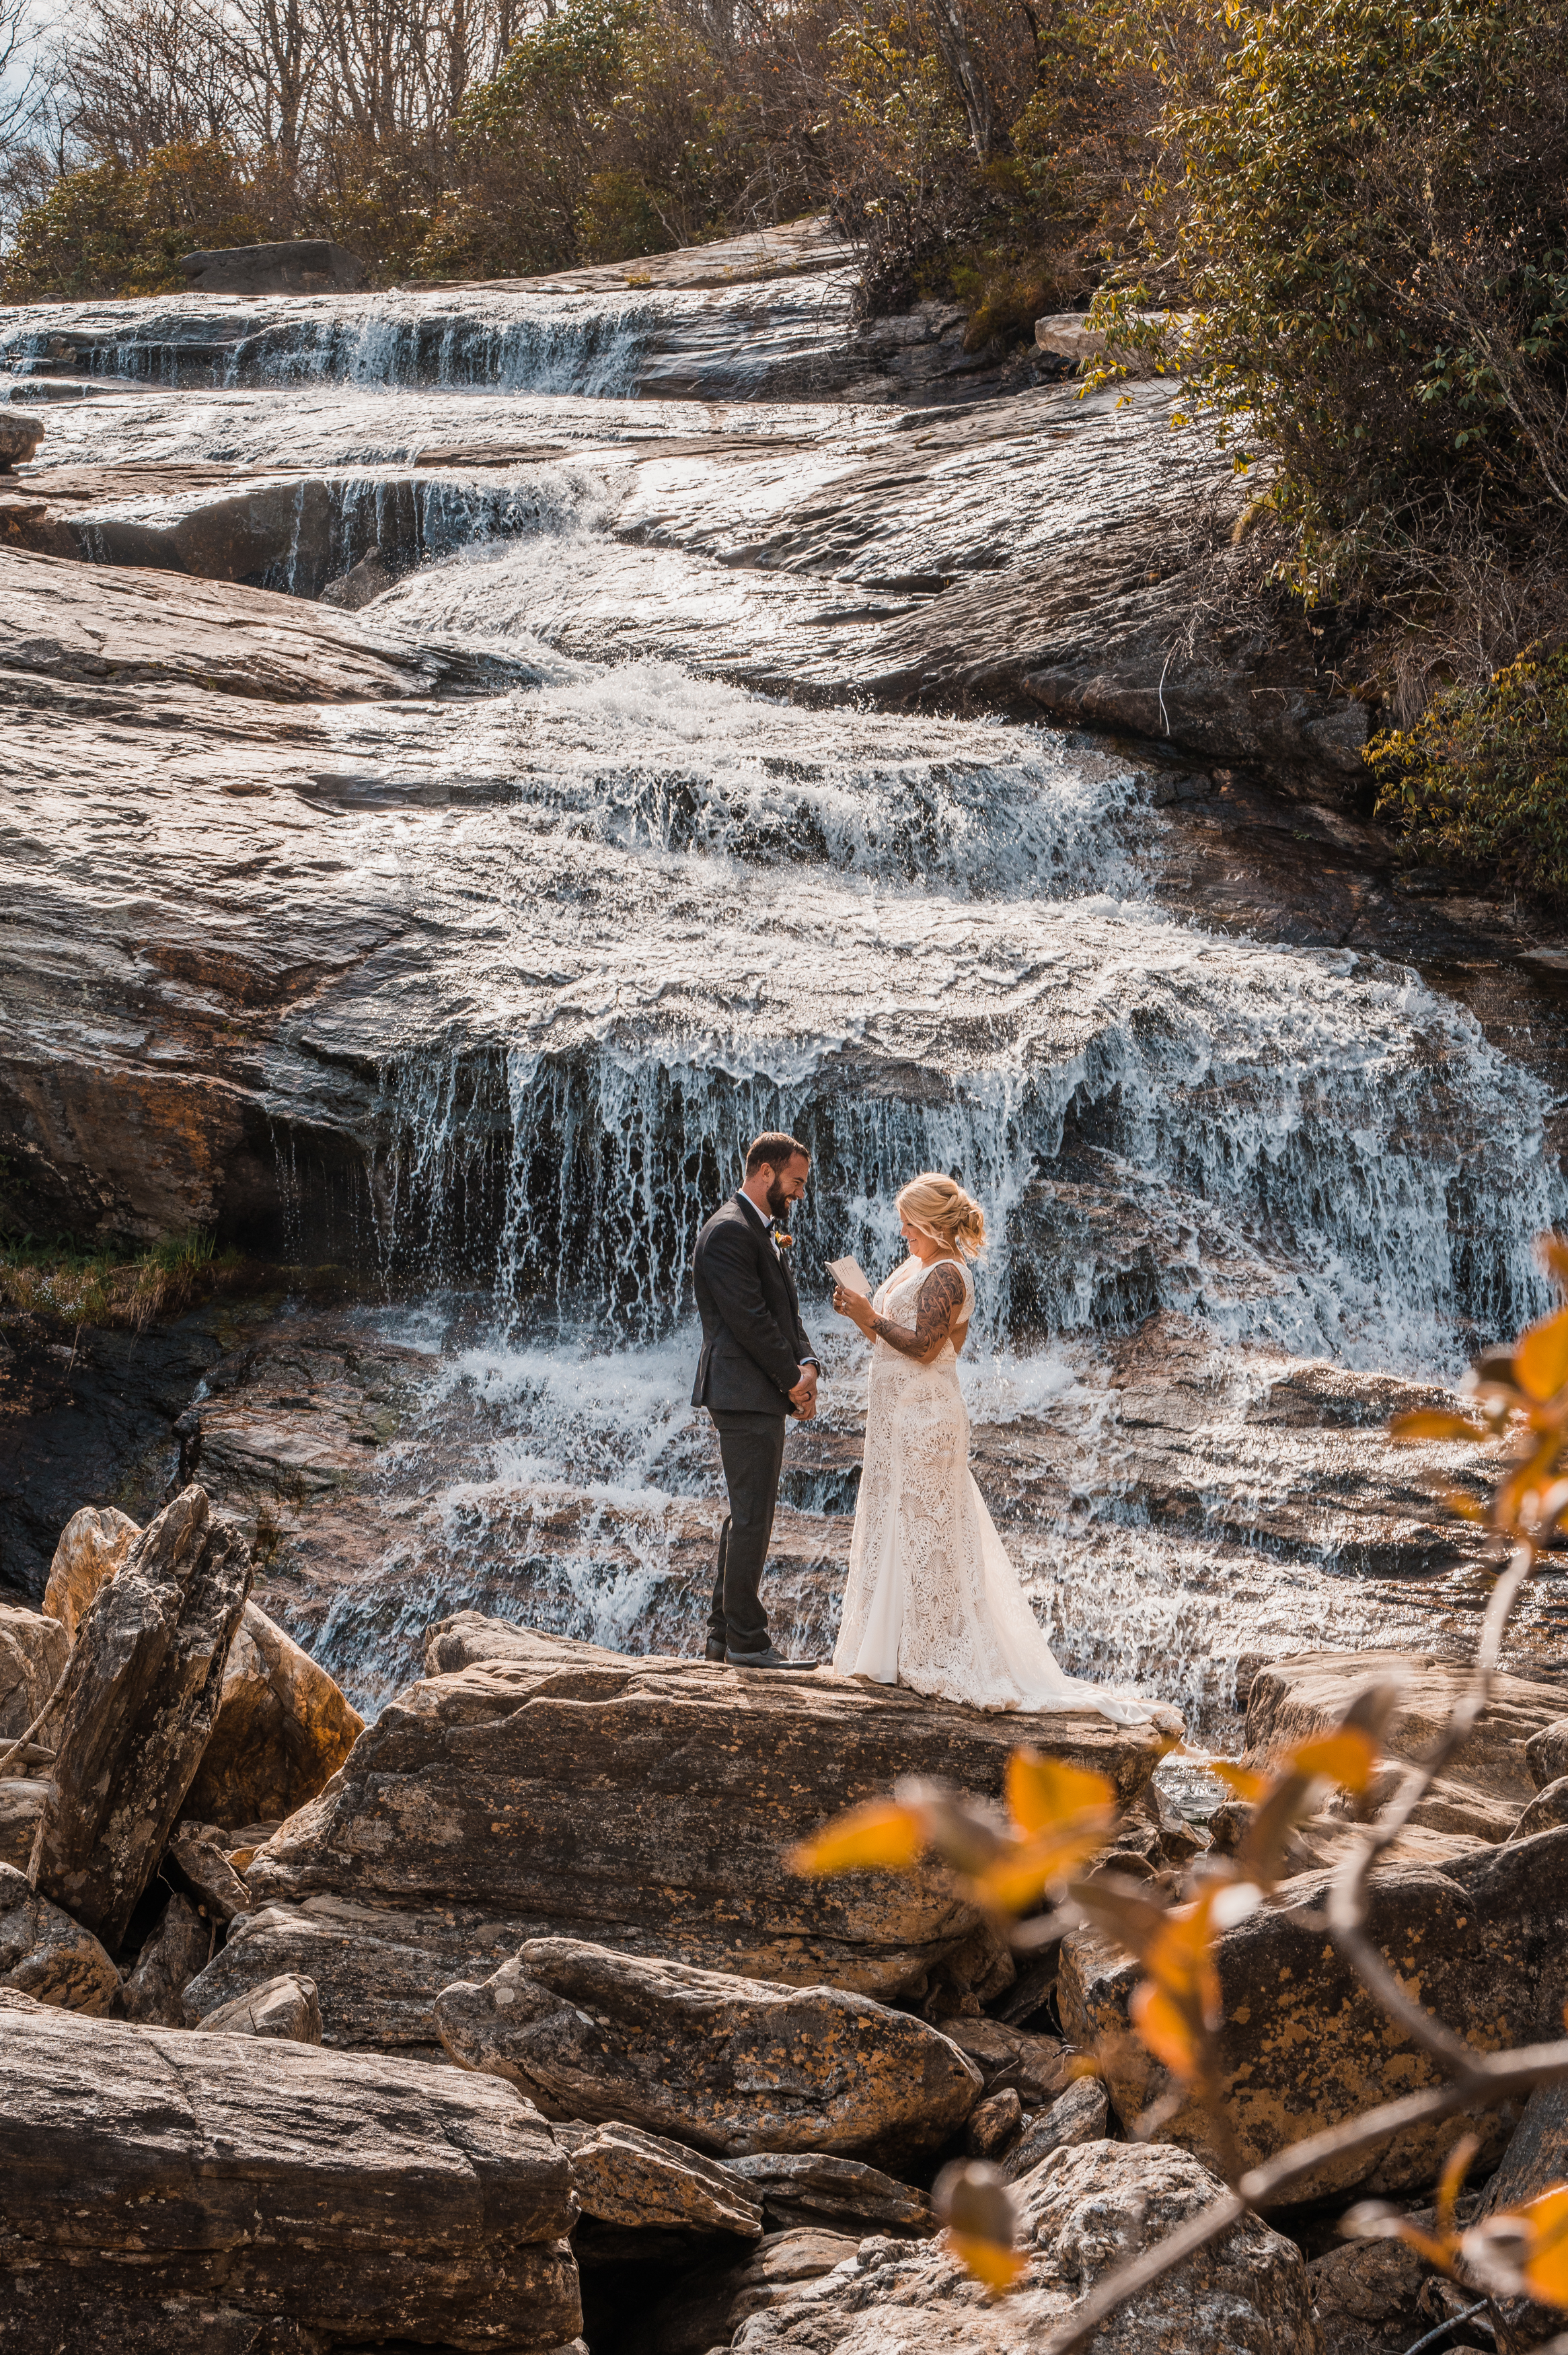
[784, 1241]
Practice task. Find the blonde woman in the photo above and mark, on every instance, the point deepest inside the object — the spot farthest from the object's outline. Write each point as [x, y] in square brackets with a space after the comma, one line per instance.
[932, 1600]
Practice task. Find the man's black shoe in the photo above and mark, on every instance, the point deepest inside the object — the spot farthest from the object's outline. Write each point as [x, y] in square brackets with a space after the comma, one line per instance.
[715, 1649]
[768, 1660]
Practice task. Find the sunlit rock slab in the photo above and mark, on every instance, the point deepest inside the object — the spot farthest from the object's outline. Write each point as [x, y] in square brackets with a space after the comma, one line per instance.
[542, 1777]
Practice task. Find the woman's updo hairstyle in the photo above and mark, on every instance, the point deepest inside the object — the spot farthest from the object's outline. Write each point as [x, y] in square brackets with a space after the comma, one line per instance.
[940, 1206]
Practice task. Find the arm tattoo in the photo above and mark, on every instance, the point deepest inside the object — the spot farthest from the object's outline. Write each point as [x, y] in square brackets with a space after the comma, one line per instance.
[941, 1302]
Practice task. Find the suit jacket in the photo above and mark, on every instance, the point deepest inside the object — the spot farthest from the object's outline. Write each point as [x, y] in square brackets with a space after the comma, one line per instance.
[753, 1340]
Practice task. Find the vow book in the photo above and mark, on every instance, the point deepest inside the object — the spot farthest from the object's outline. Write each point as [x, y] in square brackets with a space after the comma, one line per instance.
[847, 1273]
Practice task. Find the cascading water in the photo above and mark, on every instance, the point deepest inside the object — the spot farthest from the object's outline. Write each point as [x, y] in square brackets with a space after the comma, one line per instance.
[644, 913]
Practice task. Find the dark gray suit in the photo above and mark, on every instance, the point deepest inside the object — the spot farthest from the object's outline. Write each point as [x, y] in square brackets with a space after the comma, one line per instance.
[754, 1345]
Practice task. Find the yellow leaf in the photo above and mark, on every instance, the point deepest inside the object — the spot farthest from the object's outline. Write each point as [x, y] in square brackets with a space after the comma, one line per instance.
[1463, 1506]
[989, 2261]
[1239, 1779]
[1166, 2031]
[1047, 1793]
[1433, 1423]
[1456, 2167]
[1546, 2270]
[1554, 1252]
[879, 1838]
[1348, 1756]
[1026, 1869]
[1540, 1360]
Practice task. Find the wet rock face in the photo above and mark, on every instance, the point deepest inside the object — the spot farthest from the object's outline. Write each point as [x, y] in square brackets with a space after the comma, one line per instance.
[1485, 1935]
[146, 1677]
[618, 1784]
[352, 2198]
[730, 2064]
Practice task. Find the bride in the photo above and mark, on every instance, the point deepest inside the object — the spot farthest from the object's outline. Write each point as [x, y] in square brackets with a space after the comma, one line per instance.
[933, 1600]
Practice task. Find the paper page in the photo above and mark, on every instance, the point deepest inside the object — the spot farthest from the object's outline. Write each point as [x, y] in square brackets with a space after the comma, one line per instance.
[847, 1273]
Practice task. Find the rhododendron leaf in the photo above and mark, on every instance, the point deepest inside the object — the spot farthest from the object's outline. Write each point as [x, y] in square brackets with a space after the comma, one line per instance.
[1541, 1358]
[987, 2261]
[879, 1838]
[1045, 1793]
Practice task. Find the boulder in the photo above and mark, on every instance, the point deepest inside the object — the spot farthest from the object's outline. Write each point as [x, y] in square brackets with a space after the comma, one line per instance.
[705, 2311]
[377, 1974]
[355, 2198]
[1082, 2212]
[1545, 1812]
[45, 1954]
[994, 2124]
[298, 265]
[145, 1675]
[1481, 1940]
[20, 434]
[1486, 1785]
[625, 2176]
[21, 1809]
[1546, 1754]
[647, 1803]
[727, 2064]
[196, 1857]
[283, 1730]
[807, 2190]
[92, 1547]
[33, 1652]
[177, 1950]
[1035, 2067]
[1364, 2296]
[283, 2007]
[1080, 2115]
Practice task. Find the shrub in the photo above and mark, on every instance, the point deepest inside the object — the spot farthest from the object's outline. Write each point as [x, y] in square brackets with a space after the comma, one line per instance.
[116, 230]
[1480, 782]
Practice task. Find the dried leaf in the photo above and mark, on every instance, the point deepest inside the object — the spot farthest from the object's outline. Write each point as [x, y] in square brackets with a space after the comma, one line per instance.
[974, 2203]
[1176, 2008]
[1020, 1874]
[1554, 1252]
[1463, 1506]
[1523, 2252]
[1046, 1793]
[1541, 1358]
[878, 1837]
[1433, 1423]
[1546, 2270]
[1239, 1779]
[1456, 2167]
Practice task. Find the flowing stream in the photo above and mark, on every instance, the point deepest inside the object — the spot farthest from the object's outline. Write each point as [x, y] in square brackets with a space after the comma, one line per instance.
[645, 912]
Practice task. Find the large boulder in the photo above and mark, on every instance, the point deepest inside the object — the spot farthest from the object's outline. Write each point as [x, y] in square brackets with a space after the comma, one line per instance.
[355, 2198]
[92, 1548]
[33, 1652]
[1364, 2296]
[648, 1803]
[146, 1673]
[1483, 1943]
[706, 2310]
[296, 265]
[1083, 2212]
[45, 1954]
[727, 2064]
[1487, 1783]
[283, 1729]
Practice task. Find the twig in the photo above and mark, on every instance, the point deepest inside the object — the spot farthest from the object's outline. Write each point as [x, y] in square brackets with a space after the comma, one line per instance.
[1444, 2328]
[1348, 1893]
[23, 1740]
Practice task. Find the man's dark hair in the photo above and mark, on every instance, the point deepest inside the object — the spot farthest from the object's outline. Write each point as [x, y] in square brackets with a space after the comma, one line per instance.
[776, 1149]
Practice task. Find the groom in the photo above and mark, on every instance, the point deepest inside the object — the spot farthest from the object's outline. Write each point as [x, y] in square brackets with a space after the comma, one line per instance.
[757, 1367]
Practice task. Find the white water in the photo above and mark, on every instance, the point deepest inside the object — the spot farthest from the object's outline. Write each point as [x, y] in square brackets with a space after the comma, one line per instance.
[645, 912]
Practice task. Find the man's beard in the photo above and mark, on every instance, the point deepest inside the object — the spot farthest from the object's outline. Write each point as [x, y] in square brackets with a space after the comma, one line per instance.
[778, 1201]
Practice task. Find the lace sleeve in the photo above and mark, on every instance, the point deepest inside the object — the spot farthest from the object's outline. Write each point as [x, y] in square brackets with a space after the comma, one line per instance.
[940, 1304]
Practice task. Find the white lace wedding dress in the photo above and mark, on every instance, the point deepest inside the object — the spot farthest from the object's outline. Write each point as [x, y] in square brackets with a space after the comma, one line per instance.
[932, 1600]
